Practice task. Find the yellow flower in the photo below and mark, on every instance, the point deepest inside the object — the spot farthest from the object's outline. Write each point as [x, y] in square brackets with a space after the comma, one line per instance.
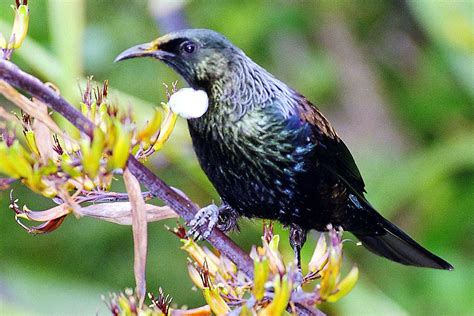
[261, 273]
[166, 127]
[283, 288]
[92, 152]
[20, 26]
[121, 147]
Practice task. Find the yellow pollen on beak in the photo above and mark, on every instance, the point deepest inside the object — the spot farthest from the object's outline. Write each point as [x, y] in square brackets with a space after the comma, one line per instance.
[153, 46]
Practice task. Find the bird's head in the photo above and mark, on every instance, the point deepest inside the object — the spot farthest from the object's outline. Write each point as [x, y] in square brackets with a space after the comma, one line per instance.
[200, 56]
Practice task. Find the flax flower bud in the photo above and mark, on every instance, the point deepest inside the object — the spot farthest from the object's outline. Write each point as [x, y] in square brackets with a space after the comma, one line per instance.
[20, 26]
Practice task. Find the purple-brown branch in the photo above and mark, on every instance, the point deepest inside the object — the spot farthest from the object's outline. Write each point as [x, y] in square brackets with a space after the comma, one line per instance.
[10, 73]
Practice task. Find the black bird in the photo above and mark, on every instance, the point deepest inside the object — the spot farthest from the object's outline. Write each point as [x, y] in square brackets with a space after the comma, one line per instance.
[270, 153]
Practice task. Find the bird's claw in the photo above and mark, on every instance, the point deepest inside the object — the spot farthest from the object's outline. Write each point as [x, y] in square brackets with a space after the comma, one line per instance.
[203, 222]
[298, 278]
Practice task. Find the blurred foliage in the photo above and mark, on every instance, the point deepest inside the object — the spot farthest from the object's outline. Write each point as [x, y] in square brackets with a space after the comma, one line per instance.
[422, 55]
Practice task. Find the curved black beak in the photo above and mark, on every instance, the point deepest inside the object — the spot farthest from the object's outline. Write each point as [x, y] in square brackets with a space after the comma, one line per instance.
[143, 50]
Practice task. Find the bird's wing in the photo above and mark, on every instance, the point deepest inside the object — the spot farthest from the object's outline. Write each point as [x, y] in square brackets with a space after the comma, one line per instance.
[332, 153]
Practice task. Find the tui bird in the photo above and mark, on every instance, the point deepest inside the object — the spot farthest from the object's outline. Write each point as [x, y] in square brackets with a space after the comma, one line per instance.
[270, 153]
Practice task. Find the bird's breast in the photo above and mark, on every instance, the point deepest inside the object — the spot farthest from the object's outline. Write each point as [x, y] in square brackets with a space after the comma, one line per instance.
[256, 163]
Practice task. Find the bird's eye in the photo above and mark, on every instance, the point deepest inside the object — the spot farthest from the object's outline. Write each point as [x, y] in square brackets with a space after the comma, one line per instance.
[189, 47]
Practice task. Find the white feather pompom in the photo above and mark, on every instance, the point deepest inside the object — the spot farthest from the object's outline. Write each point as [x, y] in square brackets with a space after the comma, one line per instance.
[189, 103]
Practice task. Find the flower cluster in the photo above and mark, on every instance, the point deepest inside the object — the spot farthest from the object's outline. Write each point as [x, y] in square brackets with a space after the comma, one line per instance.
[71, 168]
[276, 287]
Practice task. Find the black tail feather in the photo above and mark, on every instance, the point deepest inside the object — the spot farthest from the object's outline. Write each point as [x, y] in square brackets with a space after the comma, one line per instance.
[398, 246]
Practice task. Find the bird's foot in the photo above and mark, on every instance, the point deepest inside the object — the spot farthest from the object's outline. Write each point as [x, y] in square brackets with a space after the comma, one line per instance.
[298, 278]
[297, 240]
[204, 222]
[227, 218]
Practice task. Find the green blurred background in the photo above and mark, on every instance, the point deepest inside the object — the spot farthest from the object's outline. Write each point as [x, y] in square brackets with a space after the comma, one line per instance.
[396, 79]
